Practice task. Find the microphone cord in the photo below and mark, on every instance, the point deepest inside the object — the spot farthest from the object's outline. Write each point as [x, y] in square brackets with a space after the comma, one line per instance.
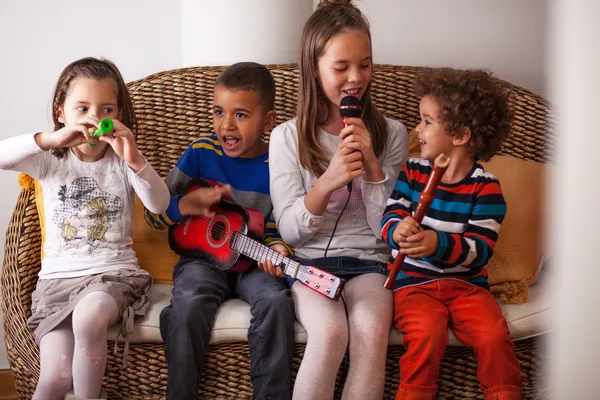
[346, 361]
[337, 221]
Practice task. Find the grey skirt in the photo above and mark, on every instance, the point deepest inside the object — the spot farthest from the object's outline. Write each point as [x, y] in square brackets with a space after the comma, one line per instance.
[54, 300]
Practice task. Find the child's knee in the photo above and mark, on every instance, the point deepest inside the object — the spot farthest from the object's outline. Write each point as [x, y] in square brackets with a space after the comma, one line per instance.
[372, 333]
[90, 327]
[94, 314]
[333, 337]
[277, 305]
[428, 329]
[492, 336]
[193, 311]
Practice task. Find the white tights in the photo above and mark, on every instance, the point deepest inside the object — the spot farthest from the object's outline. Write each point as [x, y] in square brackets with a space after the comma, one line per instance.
[370, 309]
[74, 353]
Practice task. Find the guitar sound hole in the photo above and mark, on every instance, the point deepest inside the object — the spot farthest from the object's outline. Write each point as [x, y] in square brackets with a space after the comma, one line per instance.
[218, 231]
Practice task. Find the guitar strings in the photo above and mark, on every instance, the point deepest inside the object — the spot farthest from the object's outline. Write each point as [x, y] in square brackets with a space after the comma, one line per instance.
[263, 248]
[250, 242]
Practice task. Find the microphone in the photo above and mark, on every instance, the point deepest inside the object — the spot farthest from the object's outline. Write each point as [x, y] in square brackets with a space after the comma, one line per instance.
[350, 108]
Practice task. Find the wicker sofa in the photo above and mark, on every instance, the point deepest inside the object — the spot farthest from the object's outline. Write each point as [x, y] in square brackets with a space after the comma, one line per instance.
[173, 108]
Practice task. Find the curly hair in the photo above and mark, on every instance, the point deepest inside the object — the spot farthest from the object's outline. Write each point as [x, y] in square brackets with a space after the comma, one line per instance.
[473, 99]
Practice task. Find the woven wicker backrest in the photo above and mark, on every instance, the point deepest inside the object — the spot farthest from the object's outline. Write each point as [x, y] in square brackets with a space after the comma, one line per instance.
[174, 109]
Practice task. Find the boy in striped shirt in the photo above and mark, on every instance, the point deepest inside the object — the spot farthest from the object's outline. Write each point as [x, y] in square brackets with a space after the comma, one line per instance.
[237, 159]
[443, 281]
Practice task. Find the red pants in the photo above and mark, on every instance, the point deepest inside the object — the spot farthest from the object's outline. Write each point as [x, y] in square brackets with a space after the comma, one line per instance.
[424, 313]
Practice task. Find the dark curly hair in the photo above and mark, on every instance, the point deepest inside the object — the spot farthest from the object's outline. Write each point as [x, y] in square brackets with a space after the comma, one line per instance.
[473, 99]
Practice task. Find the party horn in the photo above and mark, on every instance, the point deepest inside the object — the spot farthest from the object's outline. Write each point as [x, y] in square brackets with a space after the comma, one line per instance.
[106, 126]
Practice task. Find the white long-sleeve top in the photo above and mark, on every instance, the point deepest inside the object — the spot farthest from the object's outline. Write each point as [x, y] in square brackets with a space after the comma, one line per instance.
[88, 207]
[358, 233]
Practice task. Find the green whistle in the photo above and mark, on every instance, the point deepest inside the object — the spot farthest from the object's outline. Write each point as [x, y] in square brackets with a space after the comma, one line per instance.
[106, 126]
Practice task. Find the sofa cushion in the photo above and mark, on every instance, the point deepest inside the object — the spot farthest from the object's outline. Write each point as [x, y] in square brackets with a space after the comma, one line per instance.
[151, 247]
[520, 251]
[233, 319]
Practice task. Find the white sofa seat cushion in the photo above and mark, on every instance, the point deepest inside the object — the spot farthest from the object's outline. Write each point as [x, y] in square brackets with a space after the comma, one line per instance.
[233, 319]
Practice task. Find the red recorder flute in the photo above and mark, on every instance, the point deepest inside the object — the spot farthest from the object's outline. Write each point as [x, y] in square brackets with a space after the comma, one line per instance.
[440, 164]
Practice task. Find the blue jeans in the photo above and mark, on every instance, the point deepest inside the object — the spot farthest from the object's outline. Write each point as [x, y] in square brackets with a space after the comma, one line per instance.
[186, 324]
[343, 267]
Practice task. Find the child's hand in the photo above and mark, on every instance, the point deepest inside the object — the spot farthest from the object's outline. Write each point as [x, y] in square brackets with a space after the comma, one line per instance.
[71, 135]
[345, 165]
[407, 227]
[267, 265]
[356, 137]
[422, 244]
[198, 202]
[123, 143]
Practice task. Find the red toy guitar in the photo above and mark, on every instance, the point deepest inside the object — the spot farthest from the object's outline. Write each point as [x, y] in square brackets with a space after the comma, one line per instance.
[224, 237]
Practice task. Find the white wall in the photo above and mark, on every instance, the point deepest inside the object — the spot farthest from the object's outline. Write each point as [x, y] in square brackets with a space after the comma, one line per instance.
[575, 344]
[507, 37]
[227, 31]
[38, 38]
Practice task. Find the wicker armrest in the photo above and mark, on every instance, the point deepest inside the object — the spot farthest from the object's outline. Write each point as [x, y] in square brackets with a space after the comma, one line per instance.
[19, 277]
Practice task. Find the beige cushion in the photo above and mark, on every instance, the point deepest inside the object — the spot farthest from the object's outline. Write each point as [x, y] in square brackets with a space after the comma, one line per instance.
[520, 250]
[233, 319]
[152, 247]
[231, 324]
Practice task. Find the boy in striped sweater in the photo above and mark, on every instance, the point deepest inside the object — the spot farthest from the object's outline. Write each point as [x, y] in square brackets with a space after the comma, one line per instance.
[237, 159]
[443, 281]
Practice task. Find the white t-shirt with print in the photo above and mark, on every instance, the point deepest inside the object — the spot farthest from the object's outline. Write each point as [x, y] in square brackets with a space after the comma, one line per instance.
[88, 207]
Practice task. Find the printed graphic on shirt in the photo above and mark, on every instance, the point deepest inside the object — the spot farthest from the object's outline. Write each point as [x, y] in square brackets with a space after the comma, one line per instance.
[355, 210]
[85, 213]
